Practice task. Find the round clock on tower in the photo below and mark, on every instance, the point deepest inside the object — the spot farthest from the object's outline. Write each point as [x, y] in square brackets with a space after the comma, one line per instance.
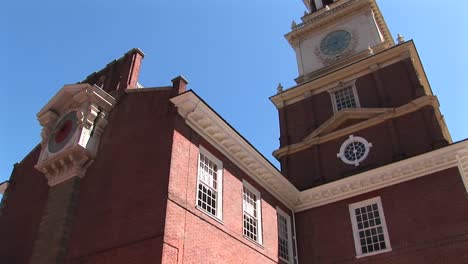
[335, 42]
[63, 132]
[334, 33]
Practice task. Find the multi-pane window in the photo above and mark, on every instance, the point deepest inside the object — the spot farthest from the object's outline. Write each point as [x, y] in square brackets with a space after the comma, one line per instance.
[252, 213]
[369, 227]
[345, 98]
[209, 189]
[354, 150]
[284, 236]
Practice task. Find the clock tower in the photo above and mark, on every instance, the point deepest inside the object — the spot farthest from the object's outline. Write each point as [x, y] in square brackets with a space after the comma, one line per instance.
[333, 33]
[361, 101]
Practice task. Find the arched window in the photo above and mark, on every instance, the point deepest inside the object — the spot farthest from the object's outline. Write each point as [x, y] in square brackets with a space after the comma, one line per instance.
[313, 7]
[319, 4]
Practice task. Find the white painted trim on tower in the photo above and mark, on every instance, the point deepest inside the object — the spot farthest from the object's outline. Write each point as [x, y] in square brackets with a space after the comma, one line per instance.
[462, 158]
[208, 124]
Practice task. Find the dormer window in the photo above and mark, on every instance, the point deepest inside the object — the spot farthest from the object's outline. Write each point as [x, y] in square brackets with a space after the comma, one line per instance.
[344, 97]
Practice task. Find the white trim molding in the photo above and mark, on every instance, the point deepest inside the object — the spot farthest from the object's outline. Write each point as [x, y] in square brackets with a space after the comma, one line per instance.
[462, 158]
[388, 175]
[209, 125]
[201, 118]
[4, 186]
[91, 105]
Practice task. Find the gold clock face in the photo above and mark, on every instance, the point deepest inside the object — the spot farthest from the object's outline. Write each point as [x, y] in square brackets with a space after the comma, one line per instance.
[62, 132]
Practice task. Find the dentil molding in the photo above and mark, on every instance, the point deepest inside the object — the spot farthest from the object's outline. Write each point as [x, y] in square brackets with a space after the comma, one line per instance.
[455, 155]
[201, 118]
[462, 159]
[217, 132]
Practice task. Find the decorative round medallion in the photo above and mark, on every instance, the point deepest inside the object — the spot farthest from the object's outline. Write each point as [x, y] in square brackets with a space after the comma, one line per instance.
[62, 132]
[335, 42]
[354, 150]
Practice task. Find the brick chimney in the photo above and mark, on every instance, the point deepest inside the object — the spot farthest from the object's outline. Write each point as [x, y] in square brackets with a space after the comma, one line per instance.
[119, 74]
[179, 84]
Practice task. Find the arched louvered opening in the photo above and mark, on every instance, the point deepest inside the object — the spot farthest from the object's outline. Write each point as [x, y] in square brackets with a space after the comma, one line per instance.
[319, 4]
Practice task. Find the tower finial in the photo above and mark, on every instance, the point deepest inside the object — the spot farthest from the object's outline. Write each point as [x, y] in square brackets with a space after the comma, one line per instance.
[400, 39]
[279, 89]
[293, 25]
[370, 50]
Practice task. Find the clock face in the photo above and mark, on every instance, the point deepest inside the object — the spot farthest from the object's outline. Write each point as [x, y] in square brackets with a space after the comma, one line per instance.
[335, 42]
[62, 132]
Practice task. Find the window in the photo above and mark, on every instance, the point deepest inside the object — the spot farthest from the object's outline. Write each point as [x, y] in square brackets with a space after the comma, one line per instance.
[252, 213]
[343, 98]
[209, 187]
[354, 150]
[284, 236]
[369, 228]
[318, 4]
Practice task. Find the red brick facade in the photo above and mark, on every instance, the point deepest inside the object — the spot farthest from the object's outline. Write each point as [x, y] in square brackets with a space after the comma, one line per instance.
[21, 212]
[137, 200]
[425, 224]
[198, 237]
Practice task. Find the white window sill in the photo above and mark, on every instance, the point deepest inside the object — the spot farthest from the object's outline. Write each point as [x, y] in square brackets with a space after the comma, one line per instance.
[210, 215]
[374, 253]
[285, 260]
[253, 241]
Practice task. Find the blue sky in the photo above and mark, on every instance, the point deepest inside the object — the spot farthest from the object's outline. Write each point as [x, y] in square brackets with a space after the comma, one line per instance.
[232, 52]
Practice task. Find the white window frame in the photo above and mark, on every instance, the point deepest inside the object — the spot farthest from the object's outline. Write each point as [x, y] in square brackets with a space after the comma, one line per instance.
[290, 235]
[342, 86]
[351, 140]
[357, 241]
[258, 204]
[318, 4]
[219, 182]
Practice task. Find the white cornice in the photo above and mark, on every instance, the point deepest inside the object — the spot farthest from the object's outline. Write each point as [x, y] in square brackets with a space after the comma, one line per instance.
[346, 115]
[4, 186]
[389, 113]
[385, 176]
[77, 93]
[217, 132]
[352, 72]
[462, 159]
[92, 105]
[316, 20]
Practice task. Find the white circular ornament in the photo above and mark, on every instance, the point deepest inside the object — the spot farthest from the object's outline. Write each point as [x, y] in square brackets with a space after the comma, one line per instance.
[354, 150]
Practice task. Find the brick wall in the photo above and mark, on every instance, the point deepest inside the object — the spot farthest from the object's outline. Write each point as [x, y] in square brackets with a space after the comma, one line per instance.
[393, 140]
[199, 238]
[427, 221]
[50, 246]
[22, 210]
[375, 90]
[123, 196]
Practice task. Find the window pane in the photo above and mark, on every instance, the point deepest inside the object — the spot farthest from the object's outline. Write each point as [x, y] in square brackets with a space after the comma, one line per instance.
[344, 98]
[371, 237]
[207, 194]
[251, 205]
